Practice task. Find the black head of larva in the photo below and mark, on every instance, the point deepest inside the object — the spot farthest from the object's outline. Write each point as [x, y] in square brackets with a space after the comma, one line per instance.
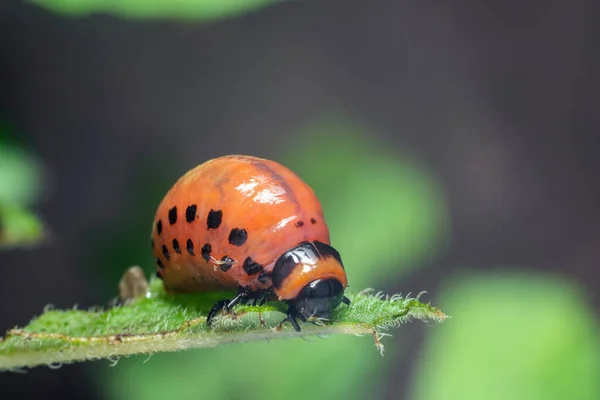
[319, 298]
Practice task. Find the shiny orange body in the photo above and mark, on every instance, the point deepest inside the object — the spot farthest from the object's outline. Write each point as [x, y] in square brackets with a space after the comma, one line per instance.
[247, 211]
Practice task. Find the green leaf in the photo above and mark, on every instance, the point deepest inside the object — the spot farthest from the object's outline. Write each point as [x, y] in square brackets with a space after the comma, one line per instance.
[158, 322]
[150, 9]
[20, 175]
[384, 208]
[521, 336]
[19, 227]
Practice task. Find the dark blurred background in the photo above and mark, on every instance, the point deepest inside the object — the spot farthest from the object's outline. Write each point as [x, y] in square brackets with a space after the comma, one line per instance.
[462, 143]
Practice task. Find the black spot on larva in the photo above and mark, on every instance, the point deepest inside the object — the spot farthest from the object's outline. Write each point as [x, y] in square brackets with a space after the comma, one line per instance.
[214, 218]
[264, 278]
[227, 263]
[176, 246]
[238, 237]
[313, 221]
[166, 252]
[159, 263]
[173, 215]
[190, 213]
[251, 267]
[159, 227]
[299, 224]
[206, 249]
[158, 275]
[189, 245]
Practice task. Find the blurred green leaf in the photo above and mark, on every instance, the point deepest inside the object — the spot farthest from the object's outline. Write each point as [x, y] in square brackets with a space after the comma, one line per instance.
[271, 370]
[142, 9]
[20, 176]
[19, 227]
[20, 187]
[385, 210]
[515, 336]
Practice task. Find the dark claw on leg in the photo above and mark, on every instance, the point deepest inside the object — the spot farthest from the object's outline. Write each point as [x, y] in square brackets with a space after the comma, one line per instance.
[291, 316]
[227, 305]
[293, 321]
[219, 305]
[346, 301]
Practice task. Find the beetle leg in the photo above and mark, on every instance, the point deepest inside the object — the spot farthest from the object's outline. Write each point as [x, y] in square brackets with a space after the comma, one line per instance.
[263, 299]
[241, 298]
[258, 298]
[346, 301]
[244, 296]
[291, 317]
[219, 305]
[227, 305]
[292, 321]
